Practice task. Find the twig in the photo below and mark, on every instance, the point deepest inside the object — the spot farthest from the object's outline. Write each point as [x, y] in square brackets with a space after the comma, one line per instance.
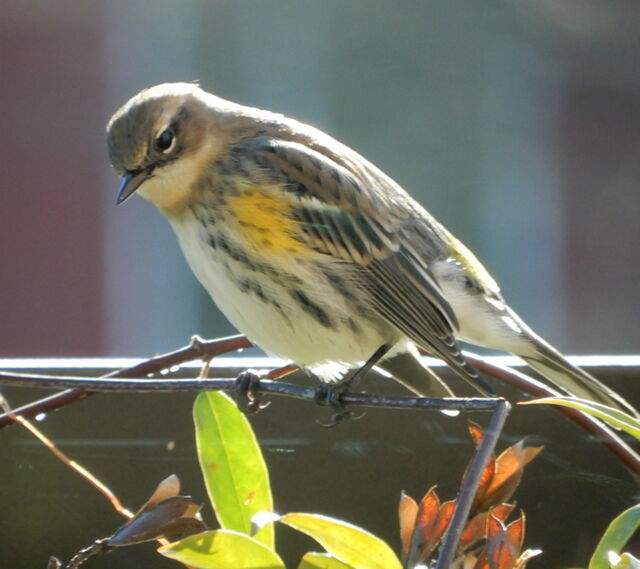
[263, 386]
[81, 470]
[470, 484]
[209, 349]
[99, 546]
[198, 348]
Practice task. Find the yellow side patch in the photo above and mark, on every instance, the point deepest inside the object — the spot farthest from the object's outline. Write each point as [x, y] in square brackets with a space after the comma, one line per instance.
[265, 220]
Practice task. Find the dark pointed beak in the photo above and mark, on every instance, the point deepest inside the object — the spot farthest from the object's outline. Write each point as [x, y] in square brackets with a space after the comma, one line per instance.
[131, 181]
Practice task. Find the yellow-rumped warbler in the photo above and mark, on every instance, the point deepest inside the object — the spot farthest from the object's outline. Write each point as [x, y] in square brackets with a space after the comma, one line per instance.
[311, 251]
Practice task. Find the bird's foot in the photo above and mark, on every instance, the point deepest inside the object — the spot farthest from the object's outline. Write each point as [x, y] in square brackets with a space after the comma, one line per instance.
[331, 395]
[247, 384]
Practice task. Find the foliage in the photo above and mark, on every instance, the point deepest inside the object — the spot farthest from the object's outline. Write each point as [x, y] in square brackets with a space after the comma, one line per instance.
[485, 541]
[237, 481]
[232, 465]
[613, 417]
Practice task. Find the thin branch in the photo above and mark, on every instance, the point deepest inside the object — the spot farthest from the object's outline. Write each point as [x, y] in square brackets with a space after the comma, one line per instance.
[198, 348]
[208, 349]
[81, 470]
[72, 464]
[99, 546]
[264, 386]
[470, 484]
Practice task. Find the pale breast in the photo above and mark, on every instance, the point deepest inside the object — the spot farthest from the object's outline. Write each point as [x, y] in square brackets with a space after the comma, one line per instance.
[297, 308]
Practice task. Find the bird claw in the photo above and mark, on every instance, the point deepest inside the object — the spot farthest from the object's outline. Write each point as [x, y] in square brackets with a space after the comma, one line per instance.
[331, 395]
[247, 384]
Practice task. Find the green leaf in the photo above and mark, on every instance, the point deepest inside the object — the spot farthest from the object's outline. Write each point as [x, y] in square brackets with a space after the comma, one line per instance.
[348, 543]
[232, 464]
[322, 561]
[614, 539]
[614, 417]
[222, 549]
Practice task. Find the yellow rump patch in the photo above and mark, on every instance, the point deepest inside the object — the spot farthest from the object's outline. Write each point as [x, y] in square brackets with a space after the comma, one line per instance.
[265, 219]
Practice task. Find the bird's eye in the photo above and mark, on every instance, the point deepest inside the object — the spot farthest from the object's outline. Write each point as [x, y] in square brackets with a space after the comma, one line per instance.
[165, 141]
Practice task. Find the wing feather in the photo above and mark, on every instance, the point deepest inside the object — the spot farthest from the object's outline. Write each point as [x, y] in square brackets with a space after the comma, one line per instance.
[343, 216]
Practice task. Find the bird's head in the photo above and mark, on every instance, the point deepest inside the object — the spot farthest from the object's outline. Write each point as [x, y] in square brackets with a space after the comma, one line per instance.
[159, 142]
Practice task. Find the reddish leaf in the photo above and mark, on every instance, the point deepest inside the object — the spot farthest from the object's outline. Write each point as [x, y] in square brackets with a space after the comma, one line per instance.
[407, 513]
[502, 511]
[426, 520]
[509, 467]
[444, 518]
[476, 432]
[476, 528]
[503, 544]
[515, 531]
[428, 512]
[431, 540]
[495, 531]
[508, 471]
[485, 483]
[430, 519]
[474, 531]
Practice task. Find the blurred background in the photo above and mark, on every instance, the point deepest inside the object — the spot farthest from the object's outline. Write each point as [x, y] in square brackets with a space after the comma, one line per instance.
[516, 123]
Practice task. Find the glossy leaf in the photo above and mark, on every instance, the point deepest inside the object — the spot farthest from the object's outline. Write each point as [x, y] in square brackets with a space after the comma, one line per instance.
[350, 544]
[232, 464]
[614, 417]
[222, 549]
[322, 561]
[614, 539]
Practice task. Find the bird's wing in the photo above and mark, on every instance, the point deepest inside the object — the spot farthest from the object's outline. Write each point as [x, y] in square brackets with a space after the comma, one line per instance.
[343, 215]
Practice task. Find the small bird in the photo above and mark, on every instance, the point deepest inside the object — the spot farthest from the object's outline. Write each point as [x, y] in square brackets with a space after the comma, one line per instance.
[312, 251]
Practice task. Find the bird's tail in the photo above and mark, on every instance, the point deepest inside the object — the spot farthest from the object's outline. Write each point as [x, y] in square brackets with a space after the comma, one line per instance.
[552, 365]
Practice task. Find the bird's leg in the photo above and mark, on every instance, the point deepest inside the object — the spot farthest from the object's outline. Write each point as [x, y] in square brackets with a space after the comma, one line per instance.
[332, 394]
[359, 373]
